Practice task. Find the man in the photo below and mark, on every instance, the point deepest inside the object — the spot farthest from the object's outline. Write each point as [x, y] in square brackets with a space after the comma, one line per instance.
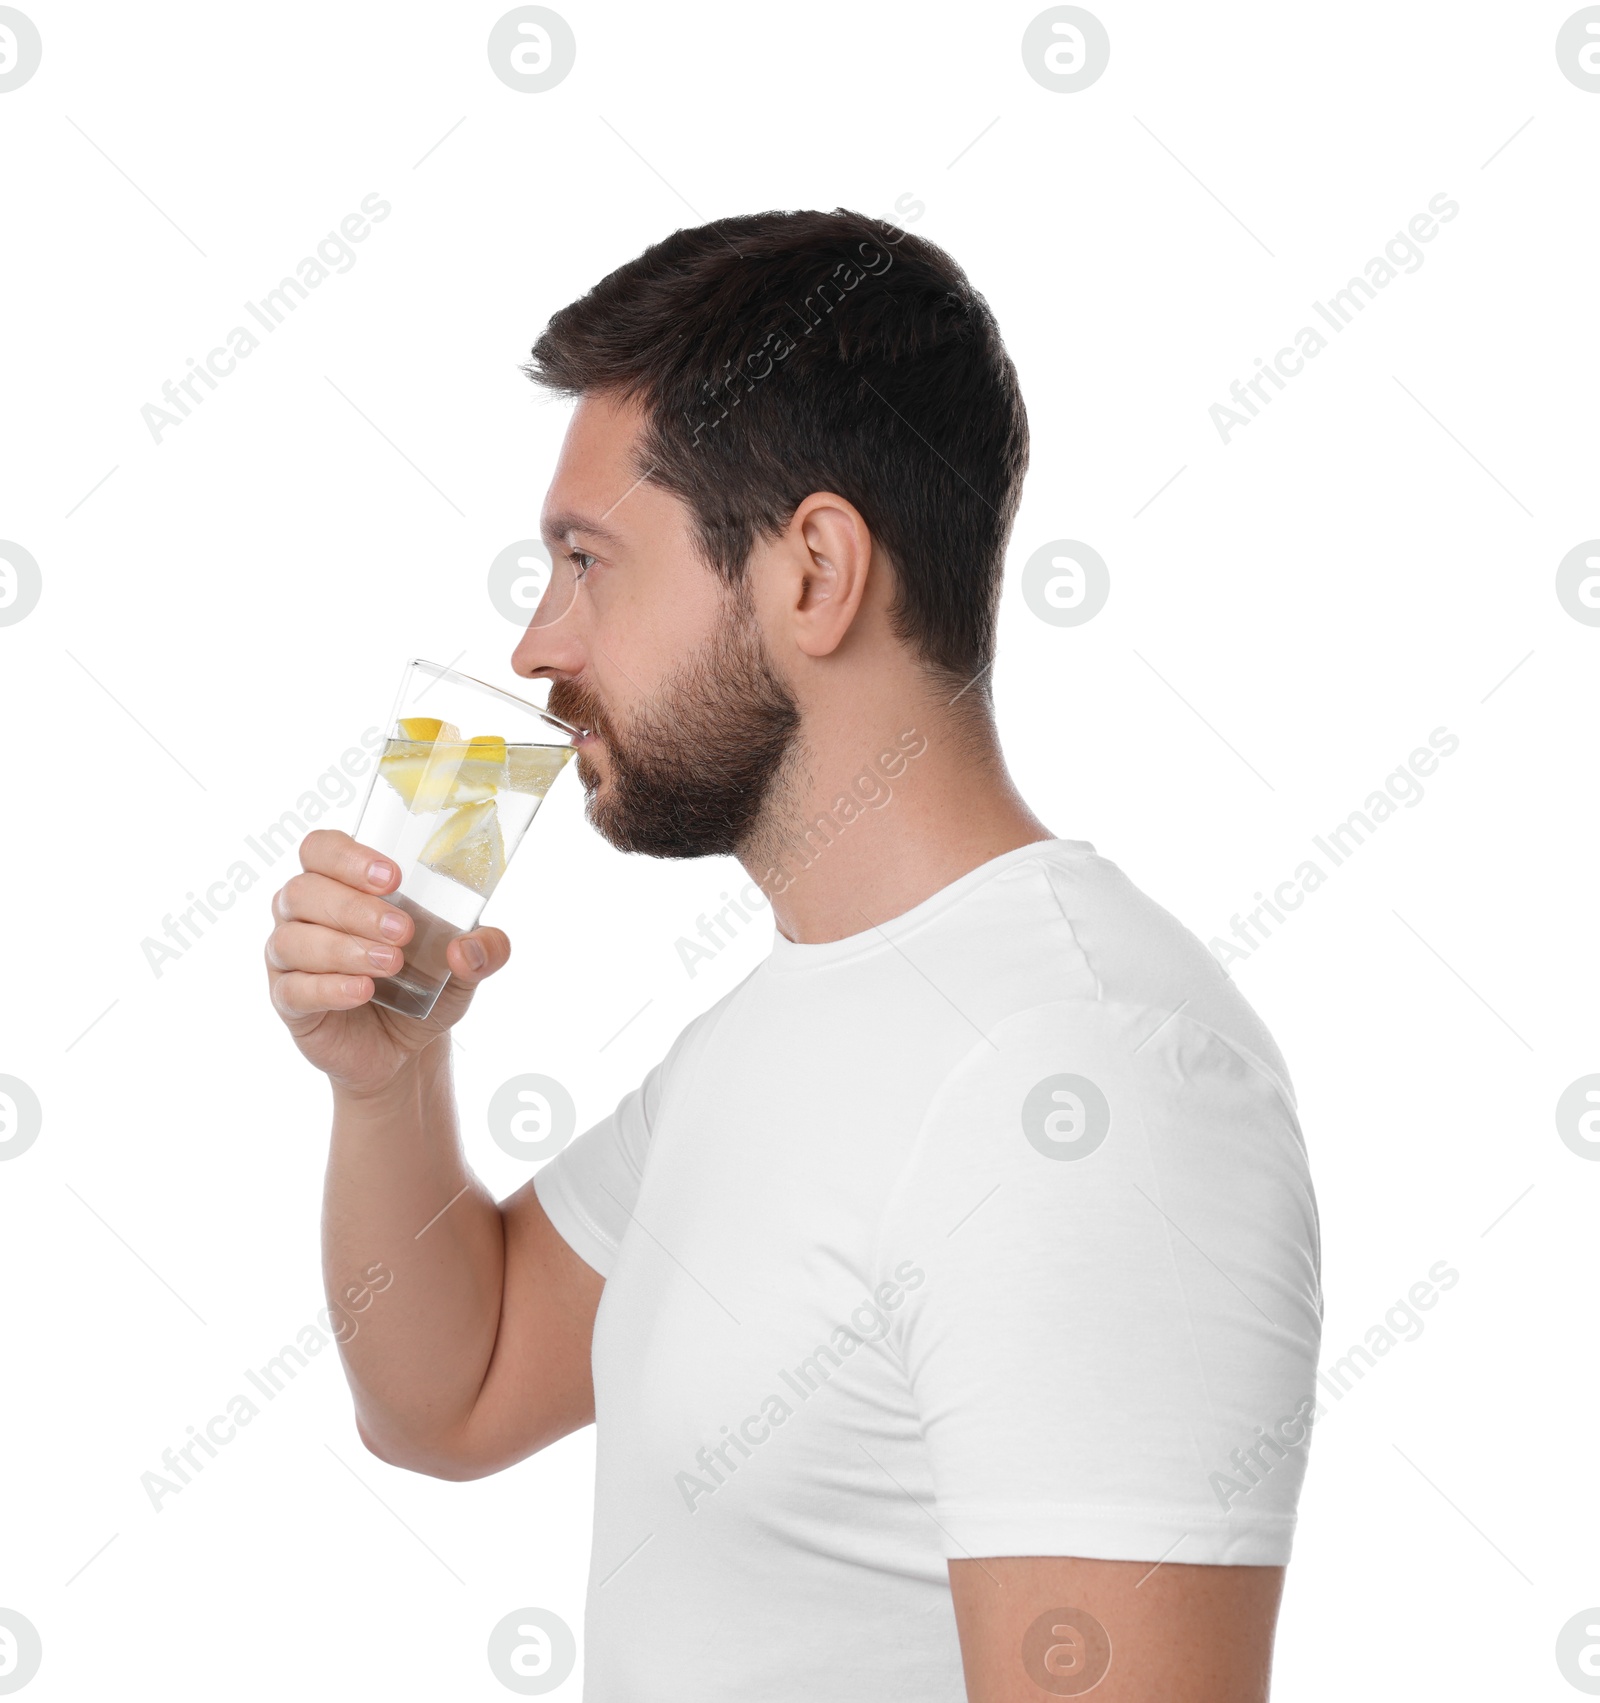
[946, 1298]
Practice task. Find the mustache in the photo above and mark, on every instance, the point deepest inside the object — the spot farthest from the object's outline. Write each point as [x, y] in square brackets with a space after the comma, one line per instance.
[572, 704]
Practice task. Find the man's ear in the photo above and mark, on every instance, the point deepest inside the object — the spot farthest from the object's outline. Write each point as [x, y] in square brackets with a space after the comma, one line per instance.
[828, 556]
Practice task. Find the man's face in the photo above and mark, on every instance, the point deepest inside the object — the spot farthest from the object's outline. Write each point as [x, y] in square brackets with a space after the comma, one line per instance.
[647, 649]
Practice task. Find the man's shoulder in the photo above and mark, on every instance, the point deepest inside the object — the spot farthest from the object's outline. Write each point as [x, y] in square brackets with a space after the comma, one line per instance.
[1066, 942]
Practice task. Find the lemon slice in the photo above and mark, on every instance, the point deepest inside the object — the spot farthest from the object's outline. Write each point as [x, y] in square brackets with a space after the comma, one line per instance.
[531, 768]
[432, 769]
[428, 777]
[425, 729]
[482, 772]
[467, 847]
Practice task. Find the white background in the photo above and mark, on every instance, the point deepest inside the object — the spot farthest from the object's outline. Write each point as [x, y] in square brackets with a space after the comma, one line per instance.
[1293, 614]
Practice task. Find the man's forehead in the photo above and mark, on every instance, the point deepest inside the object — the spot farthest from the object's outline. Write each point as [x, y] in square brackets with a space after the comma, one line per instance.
[596, 469]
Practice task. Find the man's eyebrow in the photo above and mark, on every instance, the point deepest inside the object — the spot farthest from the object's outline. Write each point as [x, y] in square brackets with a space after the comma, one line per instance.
[559, 525]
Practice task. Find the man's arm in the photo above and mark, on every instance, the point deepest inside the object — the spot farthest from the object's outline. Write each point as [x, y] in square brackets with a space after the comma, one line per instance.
[1086, 1351]
[478, 1354]
[464, 1325]
[1171, 1633]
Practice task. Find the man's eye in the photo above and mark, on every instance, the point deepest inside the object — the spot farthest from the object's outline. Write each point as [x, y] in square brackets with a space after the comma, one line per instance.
[581, 560]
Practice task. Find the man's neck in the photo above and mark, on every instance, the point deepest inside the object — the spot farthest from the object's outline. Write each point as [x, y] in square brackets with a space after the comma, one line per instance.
[881, 820]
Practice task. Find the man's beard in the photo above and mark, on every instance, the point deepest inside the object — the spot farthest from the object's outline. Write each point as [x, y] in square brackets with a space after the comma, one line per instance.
[694, 769]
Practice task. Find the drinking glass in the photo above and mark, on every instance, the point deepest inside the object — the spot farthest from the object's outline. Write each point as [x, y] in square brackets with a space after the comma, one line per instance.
[463, 773]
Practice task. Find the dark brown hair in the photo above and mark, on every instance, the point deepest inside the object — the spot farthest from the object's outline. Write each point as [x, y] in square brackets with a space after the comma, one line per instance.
[784, 353]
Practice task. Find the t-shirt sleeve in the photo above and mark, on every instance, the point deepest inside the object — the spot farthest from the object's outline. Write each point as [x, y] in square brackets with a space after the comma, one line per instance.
[588, 1190]
[1112, 1349]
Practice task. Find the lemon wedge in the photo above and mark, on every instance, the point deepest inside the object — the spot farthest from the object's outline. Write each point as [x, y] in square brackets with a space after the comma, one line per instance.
[425, 729]
[429, 777]
[467, 847]
[531, 768]
[430, 767]
[482, 772]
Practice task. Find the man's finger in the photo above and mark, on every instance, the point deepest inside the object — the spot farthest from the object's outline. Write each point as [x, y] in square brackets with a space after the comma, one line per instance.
[475, 956]
[327, 851]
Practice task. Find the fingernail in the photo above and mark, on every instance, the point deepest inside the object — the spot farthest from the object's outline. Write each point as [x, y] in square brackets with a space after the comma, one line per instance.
[385, 957]
[356, 988]
[379, 874]
[392, 923]
[474, 954]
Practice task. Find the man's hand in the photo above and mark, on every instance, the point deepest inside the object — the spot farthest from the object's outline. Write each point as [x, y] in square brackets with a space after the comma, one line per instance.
[1171, 1633]
[334, 934]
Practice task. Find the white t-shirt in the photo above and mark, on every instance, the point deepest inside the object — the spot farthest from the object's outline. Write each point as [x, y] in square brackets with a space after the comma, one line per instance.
[988, 1231]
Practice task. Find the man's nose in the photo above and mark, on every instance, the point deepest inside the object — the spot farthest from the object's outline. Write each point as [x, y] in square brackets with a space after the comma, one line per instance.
[551, 643]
